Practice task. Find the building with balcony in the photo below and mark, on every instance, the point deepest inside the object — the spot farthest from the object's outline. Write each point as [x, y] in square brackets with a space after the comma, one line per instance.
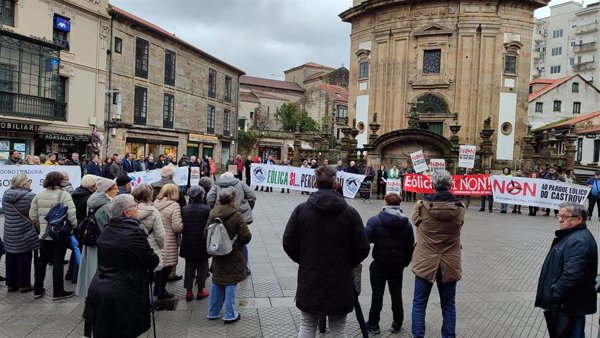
[52, 82]
[168, 96]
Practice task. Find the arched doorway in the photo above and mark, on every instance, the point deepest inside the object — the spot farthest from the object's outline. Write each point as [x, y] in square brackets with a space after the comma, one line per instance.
[432, 104]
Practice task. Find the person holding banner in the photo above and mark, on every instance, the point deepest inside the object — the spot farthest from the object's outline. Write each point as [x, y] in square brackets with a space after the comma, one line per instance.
[533, 210]
[504, 206]
[594, 182]
[552, 175]
[467, 198]
[381, 177]
[490, 198]
[439, 219]
[406, 169]
[516, 207]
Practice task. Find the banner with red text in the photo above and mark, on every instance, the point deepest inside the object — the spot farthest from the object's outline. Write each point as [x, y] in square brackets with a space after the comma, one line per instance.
[536, 192]
[475, 185]
[466, 156]
[418, 160]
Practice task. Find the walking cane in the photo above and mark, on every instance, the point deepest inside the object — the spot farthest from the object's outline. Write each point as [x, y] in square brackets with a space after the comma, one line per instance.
[151, 292]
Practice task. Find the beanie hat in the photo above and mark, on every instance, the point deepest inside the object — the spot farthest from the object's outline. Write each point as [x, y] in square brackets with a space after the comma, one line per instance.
[88, 181]
[104, 184]
[122, 180]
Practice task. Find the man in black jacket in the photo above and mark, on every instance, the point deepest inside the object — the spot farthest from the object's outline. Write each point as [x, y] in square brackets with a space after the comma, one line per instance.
[566, 288]
[326, 237]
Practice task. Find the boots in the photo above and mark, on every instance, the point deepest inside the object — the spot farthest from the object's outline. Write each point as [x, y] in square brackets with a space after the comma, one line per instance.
[201, 294]
[189, 295]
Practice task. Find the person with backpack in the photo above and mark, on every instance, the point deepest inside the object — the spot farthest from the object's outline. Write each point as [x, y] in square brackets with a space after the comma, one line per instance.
[227, 270]
[193, 243]
[151, 221]
[20, 237]
[51, 250]
[99, 205]
[170, 211]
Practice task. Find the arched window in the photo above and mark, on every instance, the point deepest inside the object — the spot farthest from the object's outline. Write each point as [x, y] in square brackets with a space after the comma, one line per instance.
[432, 104]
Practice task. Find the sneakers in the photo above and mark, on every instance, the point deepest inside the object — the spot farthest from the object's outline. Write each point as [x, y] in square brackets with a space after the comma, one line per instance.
[233, 320]
[396, 327]
[39, 293]
[374, 328]
[63, 295]
[189, 295]
[202, 294]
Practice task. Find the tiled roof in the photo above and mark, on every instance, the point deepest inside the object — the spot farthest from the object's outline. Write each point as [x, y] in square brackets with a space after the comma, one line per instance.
[570, 122]
[309, 64]
[315, 76]
[262, 82]
[263, 95]
[248, 97]
[586, 131]
[340, 94]
[552, 83]
[116, 11]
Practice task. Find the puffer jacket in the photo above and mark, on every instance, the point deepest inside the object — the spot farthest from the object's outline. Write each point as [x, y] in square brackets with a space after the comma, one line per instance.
[193, 242]
[19, 233]
[80, 198]
[170, 213]
[229, 269]
[102, 204]
[44, 201]
[152, 223]
[244, 196]
[393, 236]
[439, 219]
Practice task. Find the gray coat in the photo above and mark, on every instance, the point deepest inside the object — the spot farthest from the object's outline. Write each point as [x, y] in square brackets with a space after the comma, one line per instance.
[19, 234]
[244, 196]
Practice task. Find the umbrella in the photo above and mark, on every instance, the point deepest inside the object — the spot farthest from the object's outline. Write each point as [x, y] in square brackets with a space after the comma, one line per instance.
[75, 248]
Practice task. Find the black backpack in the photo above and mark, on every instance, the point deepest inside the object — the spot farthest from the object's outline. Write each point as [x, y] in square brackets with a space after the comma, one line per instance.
[88, 230]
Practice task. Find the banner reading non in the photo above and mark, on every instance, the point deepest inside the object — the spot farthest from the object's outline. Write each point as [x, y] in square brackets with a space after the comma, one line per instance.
[466, 156]
[418, 161]
[437, 164]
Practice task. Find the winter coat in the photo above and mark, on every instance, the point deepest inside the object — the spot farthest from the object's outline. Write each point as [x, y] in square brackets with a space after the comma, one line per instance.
[568, 275]
[127, 165]
[93, 169]
[115, 170]
[170, 213]
[80, 198]
[244, 196]
[439, 219]
[326, 237]
[381, 175]
[19, 233]
[352, 169]
[150, 165]
[117, 303]
[44, 201]
[152, 224]
[211, 166]
[240, 165]
[10, 161]
[156, 186]
[230, 269]
[369, 174]
[392, 234]
[100, 202]
[193, 242]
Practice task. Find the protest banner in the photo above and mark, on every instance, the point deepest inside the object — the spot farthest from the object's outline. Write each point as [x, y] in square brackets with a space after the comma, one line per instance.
[418, 161]
[535, 192]
[466, 156]
[393, 185]
[194, 175]
[473, 185]
[37, 174]
[180, 176]
[437, 164]
[301, 179]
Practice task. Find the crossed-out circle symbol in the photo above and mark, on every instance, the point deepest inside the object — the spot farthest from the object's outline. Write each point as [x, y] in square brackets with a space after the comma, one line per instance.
[514, 188]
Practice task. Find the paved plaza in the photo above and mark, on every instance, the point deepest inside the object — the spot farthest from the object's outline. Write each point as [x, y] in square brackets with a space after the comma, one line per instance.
[502, 256]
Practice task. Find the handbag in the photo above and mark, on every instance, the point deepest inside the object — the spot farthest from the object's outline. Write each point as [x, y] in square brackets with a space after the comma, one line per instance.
[36, 225]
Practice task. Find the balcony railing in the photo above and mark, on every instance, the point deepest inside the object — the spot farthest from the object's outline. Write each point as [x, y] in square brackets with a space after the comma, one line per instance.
[584, 66]
[589, 28]
[34, 107]
[585, 47]
[340, 119]
[167, 124]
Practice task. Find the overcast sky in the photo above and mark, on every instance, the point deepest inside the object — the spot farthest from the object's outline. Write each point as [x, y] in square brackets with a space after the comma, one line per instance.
[261, 37]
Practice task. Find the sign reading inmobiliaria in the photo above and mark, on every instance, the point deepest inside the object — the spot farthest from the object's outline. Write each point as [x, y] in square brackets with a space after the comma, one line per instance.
[474, 185]
[37, 174]
[303, 179]
[536, 192]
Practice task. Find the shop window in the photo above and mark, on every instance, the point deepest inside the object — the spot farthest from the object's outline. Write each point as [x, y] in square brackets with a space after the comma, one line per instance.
[510, 64]
[60, 31]
[556, 106]
[212, 83]
[170, 64]
[141, 58]
[576, 107]
[7, 12]
[539, 107]
[228, 88]
[226, 122]
[363, 70]
[575, 87]
[168, 111]
[140, 107]
[432, 61]
[210, 120]
[118, 45]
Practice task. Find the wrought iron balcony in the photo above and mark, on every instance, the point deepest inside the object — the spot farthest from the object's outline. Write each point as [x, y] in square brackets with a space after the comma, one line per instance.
[585, 47]
[34, 107]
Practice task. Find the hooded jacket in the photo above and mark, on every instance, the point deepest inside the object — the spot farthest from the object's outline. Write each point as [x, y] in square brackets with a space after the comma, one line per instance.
[102, 206]
[392, 234]
[326, 237]
[152, 224]
[19, 233]
[439, 219]
[244, 196]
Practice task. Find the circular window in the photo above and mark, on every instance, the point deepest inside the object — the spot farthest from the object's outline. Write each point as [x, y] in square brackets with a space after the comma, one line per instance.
[360, 126]
[506, 128]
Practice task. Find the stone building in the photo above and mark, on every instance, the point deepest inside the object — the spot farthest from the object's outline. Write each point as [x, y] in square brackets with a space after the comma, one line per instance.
[326, 103]
[307, 71]
[551, 100]
[469, 57]
[168, 96]
[52, 80]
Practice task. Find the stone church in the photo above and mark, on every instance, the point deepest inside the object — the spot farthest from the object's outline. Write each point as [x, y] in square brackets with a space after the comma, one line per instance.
[445, 57]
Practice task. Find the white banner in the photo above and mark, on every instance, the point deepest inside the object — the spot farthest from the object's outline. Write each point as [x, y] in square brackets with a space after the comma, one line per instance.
[194, 175]
[536, 192]
[302, 179]
[418, 161]
[37, 174]
[437, 164]
[466, 156]
[151, 176]
[393, 185]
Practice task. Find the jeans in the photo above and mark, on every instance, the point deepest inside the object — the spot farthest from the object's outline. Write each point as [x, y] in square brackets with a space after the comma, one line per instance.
[18, 269]
[561, 325]
[490, 202]
[308, 325]
[246, 256]
[198, 268]
[222, 297]
[51, 250]
[379, 275]
[447, 299]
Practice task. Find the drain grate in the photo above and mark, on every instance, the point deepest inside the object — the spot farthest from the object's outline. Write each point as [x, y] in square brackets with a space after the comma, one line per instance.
[166, 305]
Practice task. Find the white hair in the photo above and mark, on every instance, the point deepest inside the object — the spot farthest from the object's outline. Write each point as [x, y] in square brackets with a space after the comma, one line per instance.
[167, 172]
[226, 174]
[121, 203]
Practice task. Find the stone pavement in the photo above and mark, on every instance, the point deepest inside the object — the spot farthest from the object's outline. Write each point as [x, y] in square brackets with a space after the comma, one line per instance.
[502, 256]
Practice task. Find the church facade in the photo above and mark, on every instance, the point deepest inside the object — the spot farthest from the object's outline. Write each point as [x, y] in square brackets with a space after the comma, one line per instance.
[465, 57]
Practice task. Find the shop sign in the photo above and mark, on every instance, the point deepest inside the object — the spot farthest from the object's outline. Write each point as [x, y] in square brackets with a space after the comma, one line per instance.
[202, 138]
[590, 135]
[19, 126]
[55, 137]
